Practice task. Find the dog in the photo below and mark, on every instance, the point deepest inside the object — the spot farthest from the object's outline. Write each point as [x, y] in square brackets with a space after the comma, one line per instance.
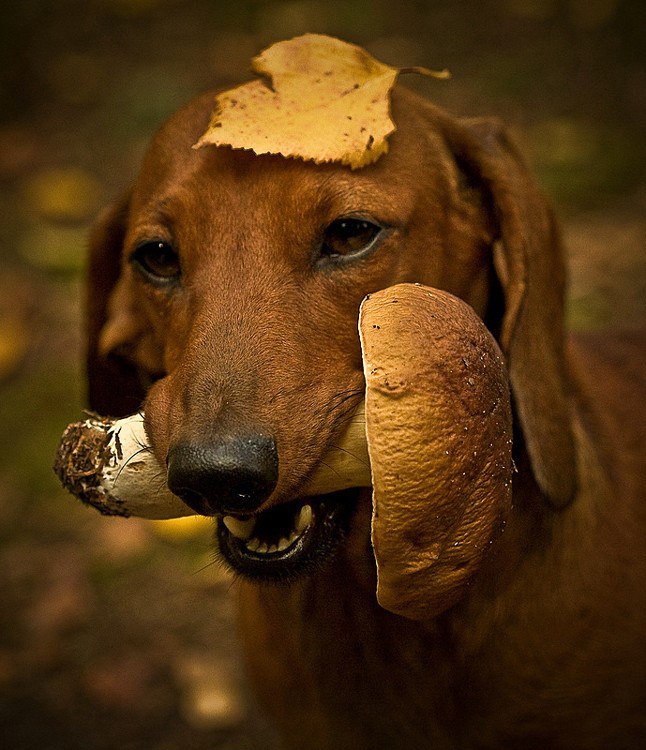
[224, 291]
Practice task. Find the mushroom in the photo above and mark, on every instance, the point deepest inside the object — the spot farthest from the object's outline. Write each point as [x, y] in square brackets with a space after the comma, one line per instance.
[439, 428]
[433, 438]
[110, 465]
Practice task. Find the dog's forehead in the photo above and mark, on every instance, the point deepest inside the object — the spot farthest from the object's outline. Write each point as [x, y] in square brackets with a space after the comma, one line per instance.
[171, 161]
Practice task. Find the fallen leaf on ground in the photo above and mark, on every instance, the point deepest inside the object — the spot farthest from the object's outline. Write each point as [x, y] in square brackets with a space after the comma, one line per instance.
[52, 247]
[318, 99]
[64, 597]
[15, 338]
[63, 194]
[120, 682]
[120, 540]
[211, 694]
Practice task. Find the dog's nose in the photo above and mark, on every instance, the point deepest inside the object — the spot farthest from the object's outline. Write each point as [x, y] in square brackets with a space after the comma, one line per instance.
[234, 475]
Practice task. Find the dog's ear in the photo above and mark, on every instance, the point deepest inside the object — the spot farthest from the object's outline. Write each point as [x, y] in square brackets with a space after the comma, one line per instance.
[529, 262]
[114, 384]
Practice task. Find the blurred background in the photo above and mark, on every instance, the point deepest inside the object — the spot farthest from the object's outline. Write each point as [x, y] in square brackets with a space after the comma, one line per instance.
[120, 633]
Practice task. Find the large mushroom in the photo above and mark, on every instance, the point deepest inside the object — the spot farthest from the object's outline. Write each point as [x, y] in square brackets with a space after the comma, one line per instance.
[439, 427]
[435, 444]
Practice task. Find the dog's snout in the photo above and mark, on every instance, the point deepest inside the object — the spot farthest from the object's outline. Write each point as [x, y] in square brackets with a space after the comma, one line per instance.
[233, 475]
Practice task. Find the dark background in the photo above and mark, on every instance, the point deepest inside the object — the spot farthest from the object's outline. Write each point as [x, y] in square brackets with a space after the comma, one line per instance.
[120, 633]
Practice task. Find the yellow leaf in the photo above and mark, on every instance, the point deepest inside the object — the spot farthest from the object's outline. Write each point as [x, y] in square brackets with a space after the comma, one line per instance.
[319, 99]
[15, 339]
[64, 194]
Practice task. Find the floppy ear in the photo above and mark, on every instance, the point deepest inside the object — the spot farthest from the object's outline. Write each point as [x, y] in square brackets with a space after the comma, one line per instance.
[528, 259]
[114, 384]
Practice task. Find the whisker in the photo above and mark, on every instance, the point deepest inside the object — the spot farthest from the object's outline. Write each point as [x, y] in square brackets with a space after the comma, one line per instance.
[350, 410]
[209, 564]
[348, 390]
[350, 453]
[158, 474]
[344, 395]
[340, 419]
[136, 453]
[341, 399]
[143, 445]
[327, 466]
[161, 487]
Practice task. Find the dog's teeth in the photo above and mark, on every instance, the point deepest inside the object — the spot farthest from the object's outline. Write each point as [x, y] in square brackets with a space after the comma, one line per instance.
[244, 530]
[237, 527]
[283, 544]
[304, 519]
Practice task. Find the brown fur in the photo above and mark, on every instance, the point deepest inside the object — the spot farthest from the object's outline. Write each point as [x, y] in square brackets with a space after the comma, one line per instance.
[544, 650]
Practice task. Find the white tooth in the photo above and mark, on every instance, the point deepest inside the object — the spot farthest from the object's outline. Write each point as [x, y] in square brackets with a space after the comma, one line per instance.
[272, 548]
[253, 545]
[283, 544]
[304, 518]
[262, 549]
[239, 528]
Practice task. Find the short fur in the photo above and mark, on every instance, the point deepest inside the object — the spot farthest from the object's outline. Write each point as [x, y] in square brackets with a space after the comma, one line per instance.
[546, 647]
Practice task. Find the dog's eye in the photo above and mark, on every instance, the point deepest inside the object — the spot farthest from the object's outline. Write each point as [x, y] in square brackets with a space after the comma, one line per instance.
[157, 260]
[349, 236]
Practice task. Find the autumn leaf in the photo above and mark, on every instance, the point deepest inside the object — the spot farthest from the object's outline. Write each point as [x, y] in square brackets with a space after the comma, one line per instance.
[15, 339]
[63, 194]
[318, 99]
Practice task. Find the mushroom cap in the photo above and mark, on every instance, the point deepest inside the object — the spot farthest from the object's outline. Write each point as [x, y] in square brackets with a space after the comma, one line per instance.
[439, 428]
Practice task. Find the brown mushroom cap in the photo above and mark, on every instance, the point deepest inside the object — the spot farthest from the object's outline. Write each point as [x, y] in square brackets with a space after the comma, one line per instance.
[439, 426]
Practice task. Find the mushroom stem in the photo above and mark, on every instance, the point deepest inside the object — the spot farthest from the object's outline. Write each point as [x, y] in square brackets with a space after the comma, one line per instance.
[110, 465]
[346, 463]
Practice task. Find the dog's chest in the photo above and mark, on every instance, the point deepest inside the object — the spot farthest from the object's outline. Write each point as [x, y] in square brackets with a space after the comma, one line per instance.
[336, 671]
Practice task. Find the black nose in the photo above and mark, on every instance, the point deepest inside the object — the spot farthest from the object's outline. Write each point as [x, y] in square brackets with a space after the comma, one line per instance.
[233, 475]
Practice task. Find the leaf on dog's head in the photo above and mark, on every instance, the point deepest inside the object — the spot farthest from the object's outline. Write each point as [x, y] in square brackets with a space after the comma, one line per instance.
[319, 99]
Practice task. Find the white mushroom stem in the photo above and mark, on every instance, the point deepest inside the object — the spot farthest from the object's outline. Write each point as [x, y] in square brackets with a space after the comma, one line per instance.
[111, 466]
[133, 476]
[347, 463]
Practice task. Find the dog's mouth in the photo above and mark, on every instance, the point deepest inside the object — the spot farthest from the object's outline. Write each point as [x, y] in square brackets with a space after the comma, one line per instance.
[289, 540]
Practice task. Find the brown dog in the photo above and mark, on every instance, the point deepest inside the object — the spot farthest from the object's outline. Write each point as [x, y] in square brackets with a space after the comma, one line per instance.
[225, 290]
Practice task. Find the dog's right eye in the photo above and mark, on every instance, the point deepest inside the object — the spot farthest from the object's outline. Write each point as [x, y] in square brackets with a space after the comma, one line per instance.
[350, 237]
[157, 260]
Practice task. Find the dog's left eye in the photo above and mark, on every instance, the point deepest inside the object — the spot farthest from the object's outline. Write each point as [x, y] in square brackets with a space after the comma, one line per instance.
[157, 260]
[349, 236]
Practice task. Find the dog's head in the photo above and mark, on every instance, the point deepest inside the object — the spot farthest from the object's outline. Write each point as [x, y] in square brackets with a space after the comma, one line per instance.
[225, 290]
